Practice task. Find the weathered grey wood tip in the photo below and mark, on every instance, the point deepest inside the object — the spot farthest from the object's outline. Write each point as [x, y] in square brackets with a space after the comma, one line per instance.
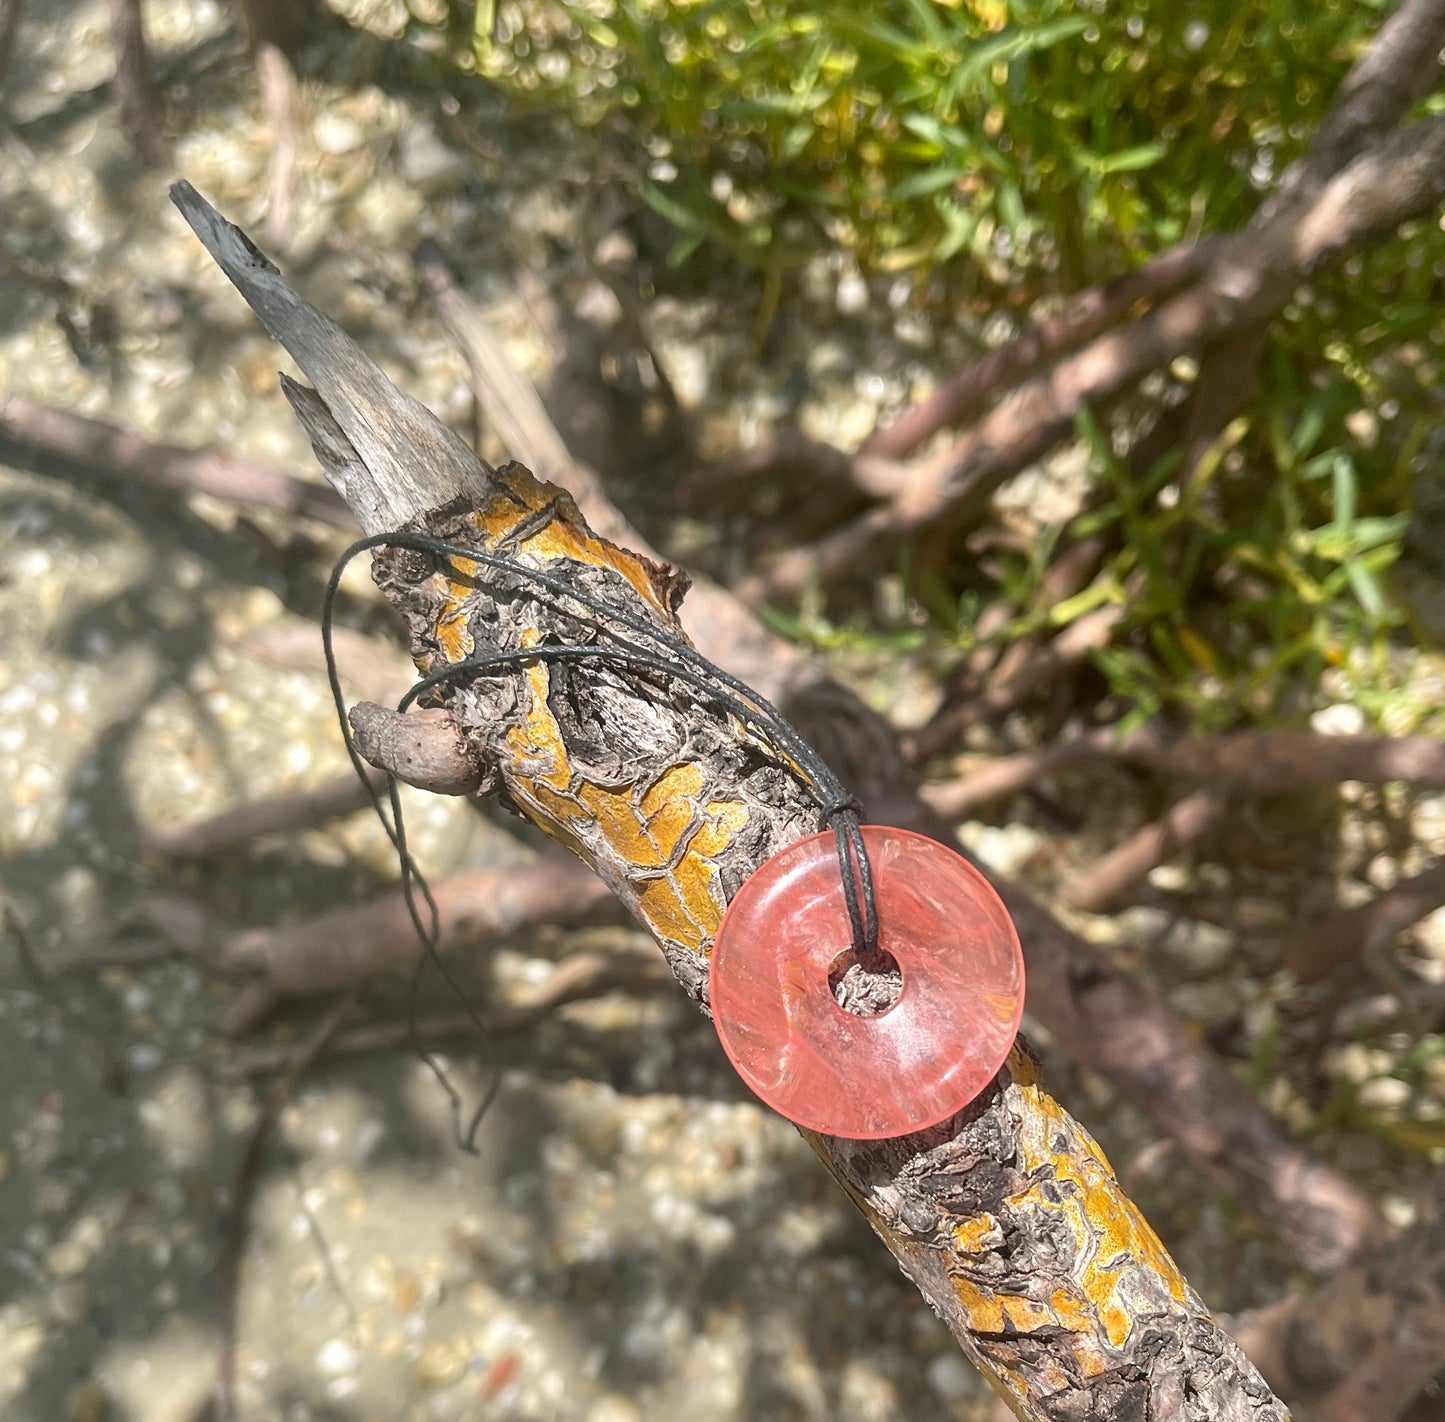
[386, 454]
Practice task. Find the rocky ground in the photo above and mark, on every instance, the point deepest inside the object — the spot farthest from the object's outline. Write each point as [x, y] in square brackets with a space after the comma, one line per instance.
[635, 1238]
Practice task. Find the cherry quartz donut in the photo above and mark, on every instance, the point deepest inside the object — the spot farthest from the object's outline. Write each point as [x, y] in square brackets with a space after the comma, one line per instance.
[910, 1066]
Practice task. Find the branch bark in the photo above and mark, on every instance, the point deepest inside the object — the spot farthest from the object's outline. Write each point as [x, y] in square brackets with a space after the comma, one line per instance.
[1249, 764]
[1007, 1217]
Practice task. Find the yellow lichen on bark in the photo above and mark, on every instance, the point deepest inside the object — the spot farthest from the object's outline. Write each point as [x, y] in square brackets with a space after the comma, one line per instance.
[657, 841]
[1118, 1272]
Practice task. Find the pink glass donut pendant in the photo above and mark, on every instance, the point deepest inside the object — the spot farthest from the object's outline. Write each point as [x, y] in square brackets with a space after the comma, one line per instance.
[918, 1061]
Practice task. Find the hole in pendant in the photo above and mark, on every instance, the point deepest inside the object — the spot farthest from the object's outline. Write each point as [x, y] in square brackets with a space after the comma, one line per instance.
[865, 984]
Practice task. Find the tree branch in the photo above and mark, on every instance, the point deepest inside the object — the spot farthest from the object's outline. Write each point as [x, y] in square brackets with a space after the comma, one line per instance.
[1401, 66]
[575, 978]
[1185, 823]
[1250, 279]
[9, 24]
[346, 946]
[1006, 1216]
[281, 814]
[1085, 316]
[1365, 1343]
[109, 451]
[1250, 763]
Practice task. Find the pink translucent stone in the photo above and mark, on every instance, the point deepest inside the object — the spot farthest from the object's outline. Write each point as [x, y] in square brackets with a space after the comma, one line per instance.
[926, 1056]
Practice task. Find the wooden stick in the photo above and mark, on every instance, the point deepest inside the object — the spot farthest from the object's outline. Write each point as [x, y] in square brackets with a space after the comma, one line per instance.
[1364, 1344]
[281, 103]
[1006, 1217]
[1249, 280]
[1098, 1014]
[1348, 937]
[1185, 823]
[9, 24]
[280, 814]
[576, 978]
[1250, 763]
[133, 86]
[1086, 315]
[233, 1250]
[346, 946]
[110, 451]
[1017, 677]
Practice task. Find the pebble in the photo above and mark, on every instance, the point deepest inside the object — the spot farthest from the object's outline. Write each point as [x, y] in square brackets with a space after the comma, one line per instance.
[336, 1356]
[336, 134]
[613, 1408]
[851, 298]
[1386, 1094]
[1210, 1003]
[1341, 719]
[70, 1302]
[442, 1363]
[67, 1259]
[87, 1402]
[1005, 850]
[951, 1378]
[427, 162]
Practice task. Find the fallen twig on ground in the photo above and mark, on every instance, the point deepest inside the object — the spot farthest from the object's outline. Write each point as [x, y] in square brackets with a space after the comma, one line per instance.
[1185, 823]
[110, 451]
[9, 23]
[877, 470]
[1250, 764]
[332, 799]
[1025, 669]
[1361, 1346]
[576, 978]
[270, 27]
[962, 396]
[134, 89]
[1349, 937]
[372, 669]
[233, 1248]
[281, 102]
[351, 944]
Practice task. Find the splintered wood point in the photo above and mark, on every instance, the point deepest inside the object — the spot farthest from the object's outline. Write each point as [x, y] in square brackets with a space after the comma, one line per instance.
[386, 454]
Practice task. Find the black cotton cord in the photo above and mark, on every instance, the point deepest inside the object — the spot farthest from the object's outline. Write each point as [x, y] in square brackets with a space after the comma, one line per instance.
[413, 883]
[669, 655]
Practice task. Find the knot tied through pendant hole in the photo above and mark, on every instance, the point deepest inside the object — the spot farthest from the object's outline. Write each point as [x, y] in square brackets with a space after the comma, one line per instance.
[865, 984]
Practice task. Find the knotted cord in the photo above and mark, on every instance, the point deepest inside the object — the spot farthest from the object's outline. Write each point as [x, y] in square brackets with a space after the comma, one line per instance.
[651, 648]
